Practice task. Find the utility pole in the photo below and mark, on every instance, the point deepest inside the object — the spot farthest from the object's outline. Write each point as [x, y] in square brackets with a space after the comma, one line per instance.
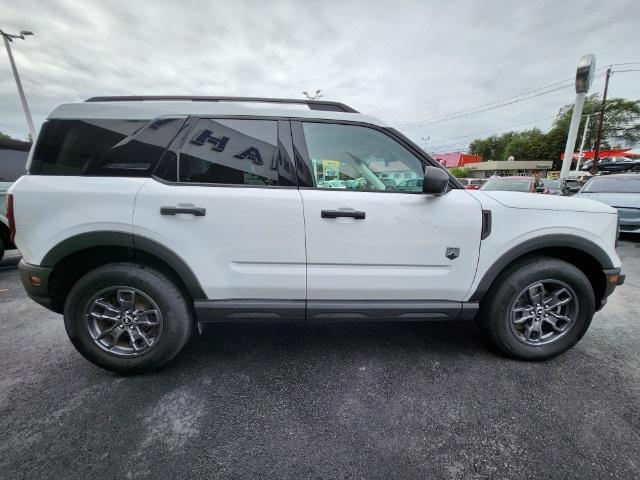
[596, 150]
[584, 137]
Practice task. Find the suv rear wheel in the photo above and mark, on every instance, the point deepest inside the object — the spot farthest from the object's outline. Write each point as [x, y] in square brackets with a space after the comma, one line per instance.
[127, 318]
[538, 308]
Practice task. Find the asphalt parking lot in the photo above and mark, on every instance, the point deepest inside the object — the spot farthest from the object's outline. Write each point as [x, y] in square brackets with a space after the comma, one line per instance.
[323, 401]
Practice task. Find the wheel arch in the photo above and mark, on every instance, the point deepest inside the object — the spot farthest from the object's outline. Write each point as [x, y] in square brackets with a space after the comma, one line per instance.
[77, 255]
[587, 256]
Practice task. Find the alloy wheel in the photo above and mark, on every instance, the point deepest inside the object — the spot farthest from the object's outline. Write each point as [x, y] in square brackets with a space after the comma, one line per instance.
[543, 312]
[124, 321]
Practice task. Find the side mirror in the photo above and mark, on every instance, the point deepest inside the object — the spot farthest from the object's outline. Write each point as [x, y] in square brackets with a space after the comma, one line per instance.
[573, 189]
[540, 189]
[436, 181]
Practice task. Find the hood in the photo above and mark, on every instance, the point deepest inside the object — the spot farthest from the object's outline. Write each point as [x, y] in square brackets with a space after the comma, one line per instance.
[629, 200]
[540, 201]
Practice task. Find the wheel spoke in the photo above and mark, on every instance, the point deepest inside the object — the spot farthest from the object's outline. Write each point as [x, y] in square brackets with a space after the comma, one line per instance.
[101, 316]
[533, 328]
[107, 331]
[133, 340]
[106, 305]
[536, 292]
[144, 337]
[562, 317]
[115, 338]
[126, 299]
[523, 319]
[554, 301]
[554, 324]
[143, 317]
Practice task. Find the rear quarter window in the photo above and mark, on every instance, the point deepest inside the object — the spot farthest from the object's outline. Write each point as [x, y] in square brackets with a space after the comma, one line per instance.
[103, 147]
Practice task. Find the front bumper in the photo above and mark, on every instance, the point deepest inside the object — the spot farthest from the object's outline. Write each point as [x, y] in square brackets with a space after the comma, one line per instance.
[35, 280]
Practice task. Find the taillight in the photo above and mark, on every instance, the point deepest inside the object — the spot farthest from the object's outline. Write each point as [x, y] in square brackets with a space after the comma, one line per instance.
[11, 217]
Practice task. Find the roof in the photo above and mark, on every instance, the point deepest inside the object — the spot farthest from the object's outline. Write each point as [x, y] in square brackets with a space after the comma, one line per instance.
[456, 159]
[113, 107]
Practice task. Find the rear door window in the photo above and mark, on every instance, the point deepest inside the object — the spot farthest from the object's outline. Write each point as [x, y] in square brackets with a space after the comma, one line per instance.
[234, 152]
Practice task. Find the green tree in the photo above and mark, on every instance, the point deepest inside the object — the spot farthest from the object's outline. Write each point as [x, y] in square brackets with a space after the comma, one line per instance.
[460, 172]
[621, 128]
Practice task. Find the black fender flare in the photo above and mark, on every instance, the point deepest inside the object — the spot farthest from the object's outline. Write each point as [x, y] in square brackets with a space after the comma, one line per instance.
[538, 243]
[137, 243]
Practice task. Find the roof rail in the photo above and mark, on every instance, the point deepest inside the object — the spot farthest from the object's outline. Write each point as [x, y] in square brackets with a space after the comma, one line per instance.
[313, 104]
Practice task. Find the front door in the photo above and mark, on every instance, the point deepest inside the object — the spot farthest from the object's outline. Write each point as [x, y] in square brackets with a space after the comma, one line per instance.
[371, 233]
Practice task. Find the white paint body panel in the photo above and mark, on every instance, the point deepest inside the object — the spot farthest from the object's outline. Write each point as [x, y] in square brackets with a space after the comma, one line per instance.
[50, 209]
[397, 252]
[512, 226]
[250, 243]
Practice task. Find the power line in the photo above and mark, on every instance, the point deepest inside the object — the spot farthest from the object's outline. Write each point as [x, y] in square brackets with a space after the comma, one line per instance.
[424, 123]
[477, 109]
[496, 104]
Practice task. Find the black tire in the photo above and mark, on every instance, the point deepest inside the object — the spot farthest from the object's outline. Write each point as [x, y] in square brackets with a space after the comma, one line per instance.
[495, 313]
[1, 249]
[176, 319]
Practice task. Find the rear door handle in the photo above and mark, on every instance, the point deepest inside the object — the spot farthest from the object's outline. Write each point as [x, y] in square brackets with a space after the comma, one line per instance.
[196, 211]
[343, 213]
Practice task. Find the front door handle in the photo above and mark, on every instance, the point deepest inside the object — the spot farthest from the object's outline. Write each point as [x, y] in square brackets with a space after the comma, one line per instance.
[343, 213]
[196, 211]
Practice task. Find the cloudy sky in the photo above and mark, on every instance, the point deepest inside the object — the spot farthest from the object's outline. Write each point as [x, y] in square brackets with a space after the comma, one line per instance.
[411, 63]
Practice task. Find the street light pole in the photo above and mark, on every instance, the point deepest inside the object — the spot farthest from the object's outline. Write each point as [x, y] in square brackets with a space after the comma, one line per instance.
[9, 38]
[596, 150]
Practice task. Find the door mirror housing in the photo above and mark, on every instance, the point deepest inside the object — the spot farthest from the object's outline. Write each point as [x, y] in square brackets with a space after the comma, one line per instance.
[540, 189]
[436, 181]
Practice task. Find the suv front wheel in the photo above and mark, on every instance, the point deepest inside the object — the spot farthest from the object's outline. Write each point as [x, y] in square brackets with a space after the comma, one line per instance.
[538, 308]
[127, 318]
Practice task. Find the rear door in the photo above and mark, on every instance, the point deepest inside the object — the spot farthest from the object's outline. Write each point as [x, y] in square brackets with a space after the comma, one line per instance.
[369, 236]
[225, 199]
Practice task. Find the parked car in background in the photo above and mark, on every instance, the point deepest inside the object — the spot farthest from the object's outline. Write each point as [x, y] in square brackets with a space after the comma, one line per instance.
[554, 187]
[13, 160]
[621, 192]
[471, 183]
[515, 184]
[614, 164]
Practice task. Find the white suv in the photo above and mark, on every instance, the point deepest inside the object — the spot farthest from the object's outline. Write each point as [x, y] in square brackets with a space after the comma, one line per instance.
[142, 217]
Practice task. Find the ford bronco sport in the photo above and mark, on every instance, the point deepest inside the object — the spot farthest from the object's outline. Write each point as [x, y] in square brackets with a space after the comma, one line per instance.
[141, 218]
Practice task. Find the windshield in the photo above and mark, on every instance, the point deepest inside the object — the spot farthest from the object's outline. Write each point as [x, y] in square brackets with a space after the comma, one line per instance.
[508, 184]
[552, 183]
[612, 185]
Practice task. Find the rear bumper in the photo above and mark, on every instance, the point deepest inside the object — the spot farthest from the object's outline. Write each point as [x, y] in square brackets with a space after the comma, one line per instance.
[35, 280]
